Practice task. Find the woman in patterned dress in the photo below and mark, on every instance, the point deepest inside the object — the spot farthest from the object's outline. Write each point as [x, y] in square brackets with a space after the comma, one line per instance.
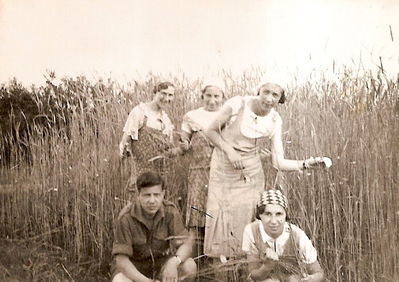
[147, 134]
[236, 175]
[194, 141]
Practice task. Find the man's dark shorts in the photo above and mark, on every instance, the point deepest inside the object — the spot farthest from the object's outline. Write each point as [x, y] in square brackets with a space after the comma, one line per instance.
[146, 267]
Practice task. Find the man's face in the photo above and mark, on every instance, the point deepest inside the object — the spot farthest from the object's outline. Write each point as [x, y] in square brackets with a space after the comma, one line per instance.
[150, 199]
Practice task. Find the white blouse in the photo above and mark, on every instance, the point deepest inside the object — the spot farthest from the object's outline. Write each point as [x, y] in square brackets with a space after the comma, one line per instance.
[306, 249]
[153, 119]
[198, 119]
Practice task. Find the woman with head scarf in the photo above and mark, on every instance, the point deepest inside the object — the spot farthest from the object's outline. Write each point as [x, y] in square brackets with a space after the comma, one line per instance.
[236, 174]
[276, 249]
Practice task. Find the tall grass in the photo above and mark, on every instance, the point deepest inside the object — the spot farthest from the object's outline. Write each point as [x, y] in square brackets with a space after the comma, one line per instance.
[72, 192]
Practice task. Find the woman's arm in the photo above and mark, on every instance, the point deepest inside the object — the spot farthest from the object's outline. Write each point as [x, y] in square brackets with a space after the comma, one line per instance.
[213, 134]
[185, 139]
[125, 145]
[125, 266]
[279, 162]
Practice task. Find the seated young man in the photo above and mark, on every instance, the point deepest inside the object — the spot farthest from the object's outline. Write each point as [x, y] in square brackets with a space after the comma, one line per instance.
[146, 232]
[277, 250]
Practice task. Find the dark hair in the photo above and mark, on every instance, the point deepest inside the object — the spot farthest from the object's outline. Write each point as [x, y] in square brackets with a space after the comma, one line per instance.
[203, 90]
[162, 85]
[149, 179]
[282, 98]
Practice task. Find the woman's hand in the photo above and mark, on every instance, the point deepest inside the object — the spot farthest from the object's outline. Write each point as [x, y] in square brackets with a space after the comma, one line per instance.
[173, 152]
[235, 158]
[270, 254]
[317, 163]
[123, 150]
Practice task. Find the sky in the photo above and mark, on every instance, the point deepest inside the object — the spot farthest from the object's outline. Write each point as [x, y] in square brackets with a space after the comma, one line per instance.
[125, 39]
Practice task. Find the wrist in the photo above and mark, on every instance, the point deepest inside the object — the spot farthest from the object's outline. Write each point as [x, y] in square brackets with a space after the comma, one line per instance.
[304, 166]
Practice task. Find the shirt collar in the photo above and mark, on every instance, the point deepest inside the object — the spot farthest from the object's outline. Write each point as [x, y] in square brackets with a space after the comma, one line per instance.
[280, 240]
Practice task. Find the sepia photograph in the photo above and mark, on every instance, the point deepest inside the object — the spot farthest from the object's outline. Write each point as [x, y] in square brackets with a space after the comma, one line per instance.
[199, 140]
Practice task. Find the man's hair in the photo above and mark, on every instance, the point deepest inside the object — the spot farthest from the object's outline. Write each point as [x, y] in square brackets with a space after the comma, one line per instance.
[162, 85]
[149, 179]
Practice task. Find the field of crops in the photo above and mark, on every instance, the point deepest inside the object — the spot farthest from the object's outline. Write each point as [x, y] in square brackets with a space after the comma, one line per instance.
[62, 182]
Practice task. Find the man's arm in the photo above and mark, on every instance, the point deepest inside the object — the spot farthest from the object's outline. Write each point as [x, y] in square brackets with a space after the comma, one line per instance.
[125, 266]
[170, 272]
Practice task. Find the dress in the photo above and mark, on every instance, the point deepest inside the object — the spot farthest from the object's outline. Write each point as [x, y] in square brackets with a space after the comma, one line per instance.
[152, 135]
[293, 247]
[145, 241]
[194, 122]
[232, 193]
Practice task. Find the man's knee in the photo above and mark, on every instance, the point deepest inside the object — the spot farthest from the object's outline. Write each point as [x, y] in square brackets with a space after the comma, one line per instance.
[120, 277]
[189, 267]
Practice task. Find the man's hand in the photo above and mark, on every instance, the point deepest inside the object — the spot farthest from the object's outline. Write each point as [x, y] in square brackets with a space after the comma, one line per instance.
[169, 273]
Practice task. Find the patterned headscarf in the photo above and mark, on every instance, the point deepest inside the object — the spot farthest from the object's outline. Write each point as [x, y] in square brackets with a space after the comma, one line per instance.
[273, 196]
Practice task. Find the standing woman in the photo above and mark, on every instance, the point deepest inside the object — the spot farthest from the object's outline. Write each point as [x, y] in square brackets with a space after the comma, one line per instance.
[147, 134]
[236, 174]
[194, 140]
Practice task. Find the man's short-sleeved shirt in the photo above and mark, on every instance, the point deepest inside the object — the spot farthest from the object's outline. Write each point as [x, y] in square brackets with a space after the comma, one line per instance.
[140, 238]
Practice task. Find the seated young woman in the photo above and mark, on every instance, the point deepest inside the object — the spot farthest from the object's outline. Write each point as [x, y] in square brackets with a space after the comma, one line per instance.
[276, 249]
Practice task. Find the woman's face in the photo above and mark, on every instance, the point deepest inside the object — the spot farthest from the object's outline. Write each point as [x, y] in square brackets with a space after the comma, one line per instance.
[212, 98]
[273, 220]
[164, 97]
[269, 95]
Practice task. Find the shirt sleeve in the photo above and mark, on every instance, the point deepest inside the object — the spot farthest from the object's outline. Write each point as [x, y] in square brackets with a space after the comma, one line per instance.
[123, 238]
[234, 103]
[134, 122]
[248, 241]
[306, 248]
[176, 228]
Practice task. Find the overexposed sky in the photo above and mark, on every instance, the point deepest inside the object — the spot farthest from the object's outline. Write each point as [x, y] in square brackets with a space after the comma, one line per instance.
[123, 39]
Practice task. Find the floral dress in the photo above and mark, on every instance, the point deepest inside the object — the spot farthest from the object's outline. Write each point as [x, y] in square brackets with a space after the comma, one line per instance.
[151, 133]
[194, 122]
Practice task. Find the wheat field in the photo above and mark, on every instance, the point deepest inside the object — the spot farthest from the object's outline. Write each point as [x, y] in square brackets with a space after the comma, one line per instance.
[66, 196]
